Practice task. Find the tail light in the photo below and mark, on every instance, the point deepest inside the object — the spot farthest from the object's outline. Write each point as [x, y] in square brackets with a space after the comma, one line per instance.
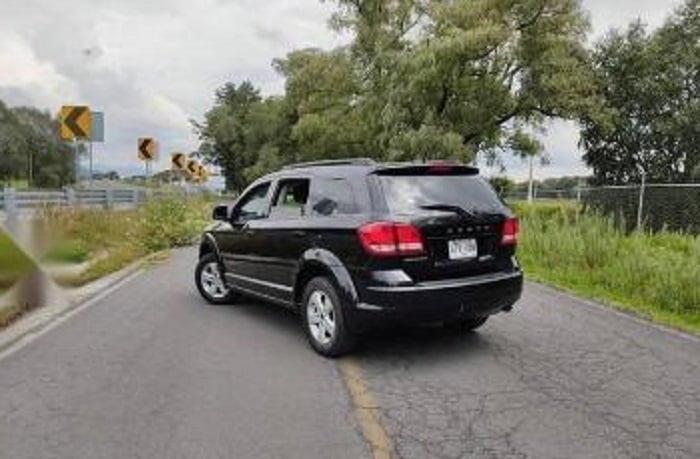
[387, 239]
[510, 232]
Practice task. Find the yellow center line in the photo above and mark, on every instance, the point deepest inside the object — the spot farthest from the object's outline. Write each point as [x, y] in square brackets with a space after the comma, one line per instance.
[366, 409]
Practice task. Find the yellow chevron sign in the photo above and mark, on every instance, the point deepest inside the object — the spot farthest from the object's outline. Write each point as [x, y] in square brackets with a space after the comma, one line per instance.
[203, 175]
[146, 149]
[192, 167]
[178, 161]
[76, 122]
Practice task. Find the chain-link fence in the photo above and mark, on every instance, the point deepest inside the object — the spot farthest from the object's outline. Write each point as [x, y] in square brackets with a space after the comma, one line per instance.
[650, 207]
[545, 194]
[674, 207]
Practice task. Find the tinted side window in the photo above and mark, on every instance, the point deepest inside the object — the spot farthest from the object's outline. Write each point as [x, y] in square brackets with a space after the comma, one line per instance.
[290, 199]
[332, 196]
[253, 206]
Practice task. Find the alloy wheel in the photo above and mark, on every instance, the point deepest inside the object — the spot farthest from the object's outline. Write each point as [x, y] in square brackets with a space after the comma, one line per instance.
[320, 315]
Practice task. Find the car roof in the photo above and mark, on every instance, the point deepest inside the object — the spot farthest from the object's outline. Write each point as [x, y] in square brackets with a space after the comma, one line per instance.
[355, 167]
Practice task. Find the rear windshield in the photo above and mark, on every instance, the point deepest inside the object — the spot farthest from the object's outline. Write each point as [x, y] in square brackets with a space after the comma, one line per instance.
[406, 194]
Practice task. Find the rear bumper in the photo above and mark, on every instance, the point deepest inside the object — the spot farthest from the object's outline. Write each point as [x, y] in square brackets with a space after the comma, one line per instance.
[478, 296]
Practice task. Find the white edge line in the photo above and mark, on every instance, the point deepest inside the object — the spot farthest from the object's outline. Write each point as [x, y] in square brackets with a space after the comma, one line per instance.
[42, 329]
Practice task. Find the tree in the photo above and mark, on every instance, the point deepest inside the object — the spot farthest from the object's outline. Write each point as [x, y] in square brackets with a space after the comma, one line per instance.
[502, 185]
[650, 84]
[322, 93]
[452, 79]
[246, 134]
[421, 79]
[29, 148]
[51, 163]
[13, 163]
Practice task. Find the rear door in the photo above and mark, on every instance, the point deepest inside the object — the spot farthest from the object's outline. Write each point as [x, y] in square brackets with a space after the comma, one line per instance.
[459, 216]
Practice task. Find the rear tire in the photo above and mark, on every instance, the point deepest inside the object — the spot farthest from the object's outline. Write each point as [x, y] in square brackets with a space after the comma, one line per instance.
[323, 320]
[466, 324]
[210, 281]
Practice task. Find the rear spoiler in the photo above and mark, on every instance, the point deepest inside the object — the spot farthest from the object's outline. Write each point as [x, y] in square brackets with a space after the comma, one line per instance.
[426, 169]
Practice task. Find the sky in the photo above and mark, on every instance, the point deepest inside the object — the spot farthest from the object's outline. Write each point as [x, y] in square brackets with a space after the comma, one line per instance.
[153, 65]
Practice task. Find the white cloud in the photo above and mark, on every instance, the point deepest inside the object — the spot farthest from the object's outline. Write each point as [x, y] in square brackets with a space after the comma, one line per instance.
[23, 71]
[607, 14]
[149, 66]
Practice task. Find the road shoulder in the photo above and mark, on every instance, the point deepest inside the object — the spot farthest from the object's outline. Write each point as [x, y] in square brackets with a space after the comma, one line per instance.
[63, 303]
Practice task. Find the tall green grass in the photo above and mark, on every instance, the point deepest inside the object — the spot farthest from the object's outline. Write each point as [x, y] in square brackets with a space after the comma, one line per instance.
[655, 275]
[114, 239]
[14, 263]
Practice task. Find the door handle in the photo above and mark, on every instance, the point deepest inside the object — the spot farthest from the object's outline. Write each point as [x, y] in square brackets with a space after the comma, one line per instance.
[299, 233]
[247, 231]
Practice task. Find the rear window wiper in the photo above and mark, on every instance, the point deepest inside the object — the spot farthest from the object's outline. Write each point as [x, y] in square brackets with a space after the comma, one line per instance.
[449, 208]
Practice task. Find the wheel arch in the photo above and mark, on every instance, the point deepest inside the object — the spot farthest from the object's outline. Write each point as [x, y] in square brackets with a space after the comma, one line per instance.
[209, 245]
[319, 262]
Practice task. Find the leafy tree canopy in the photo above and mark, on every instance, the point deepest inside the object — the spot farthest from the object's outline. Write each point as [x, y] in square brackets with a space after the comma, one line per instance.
[421, 79]
[25, 130]
[650, 84]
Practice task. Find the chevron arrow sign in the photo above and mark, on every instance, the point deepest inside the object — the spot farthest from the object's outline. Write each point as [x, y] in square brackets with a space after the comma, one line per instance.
[76, 122]
[178, 161]
[193, 167]
[146, 149]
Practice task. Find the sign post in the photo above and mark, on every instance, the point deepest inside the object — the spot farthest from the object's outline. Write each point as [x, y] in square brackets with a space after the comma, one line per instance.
[146, 150]
[97, 134]
[75, 125]
[178, 162]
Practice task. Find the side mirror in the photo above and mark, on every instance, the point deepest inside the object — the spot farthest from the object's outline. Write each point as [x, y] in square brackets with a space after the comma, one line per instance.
[220, 213]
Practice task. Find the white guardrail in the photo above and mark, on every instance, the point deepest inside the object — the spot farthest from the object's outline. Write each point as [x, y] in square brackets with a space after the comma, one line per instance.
[14, 202]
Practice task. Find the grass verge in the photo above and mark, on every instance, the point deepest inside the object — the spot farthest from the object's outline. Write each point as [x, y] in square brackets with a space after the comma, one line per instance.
[14, 265]
[13, 262]
[112, 240]
[656, 276]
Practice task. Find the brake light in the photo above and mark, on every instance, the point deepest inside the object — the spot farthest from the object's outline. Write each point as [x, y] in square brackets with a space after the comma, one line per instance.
[510, 232]
[440, 169]
[388, 239]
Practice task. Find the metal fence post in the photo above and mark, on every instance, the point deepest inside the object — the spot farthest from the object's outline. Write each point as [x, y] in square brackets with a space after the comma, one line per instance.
[70, 197]
[109, 199]
[11, 203]
[640, 207]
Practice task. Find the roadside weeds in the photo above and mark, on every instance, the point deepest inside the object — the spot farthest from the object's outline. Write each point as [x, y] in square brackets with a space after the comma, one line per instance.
[653, 276]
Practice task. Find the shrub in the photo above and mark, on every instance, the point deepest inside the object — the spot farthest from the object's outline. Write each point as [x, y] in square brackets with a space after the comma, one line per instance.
[116, 238]
[171, 222]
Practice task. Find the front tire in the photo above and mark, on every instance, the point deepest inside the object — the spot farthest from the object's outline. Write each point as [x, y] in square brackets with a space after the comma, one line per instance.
[210, 281]
[323, 320]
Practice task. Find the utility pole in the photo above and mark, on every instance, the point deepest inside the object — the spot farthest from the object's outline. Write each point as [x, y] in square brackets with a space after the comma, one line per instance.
[531, 184]
[90, 179]
[30, 172]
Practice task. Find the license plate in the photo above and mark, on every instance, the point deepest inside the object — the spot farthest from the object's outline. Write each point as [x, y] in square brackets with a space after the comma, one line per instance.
[462, 249]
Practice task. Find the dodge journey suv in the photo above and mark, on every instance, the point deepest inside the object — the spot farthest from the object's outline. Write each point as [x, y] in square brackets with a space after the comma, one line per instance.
[354, 244]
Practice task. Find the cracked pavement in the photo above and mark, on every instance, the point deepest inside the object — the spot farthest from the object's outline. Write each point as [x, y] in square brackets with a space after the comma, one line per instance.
[557, 378]
[151, 371]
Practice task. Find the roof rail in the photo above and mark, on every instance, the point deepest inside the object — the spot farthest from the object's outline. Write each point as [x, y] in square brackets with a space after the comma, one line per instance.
[334, 162]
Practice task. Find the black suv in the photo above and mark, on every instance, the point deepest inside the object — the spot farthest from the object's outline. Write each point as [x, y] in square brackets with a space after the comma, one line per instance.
[353, 244]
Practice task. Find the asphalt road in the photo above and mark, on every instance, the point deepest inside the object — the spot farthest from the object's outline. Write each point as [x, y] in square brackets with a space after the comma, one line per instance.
[151, 371]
